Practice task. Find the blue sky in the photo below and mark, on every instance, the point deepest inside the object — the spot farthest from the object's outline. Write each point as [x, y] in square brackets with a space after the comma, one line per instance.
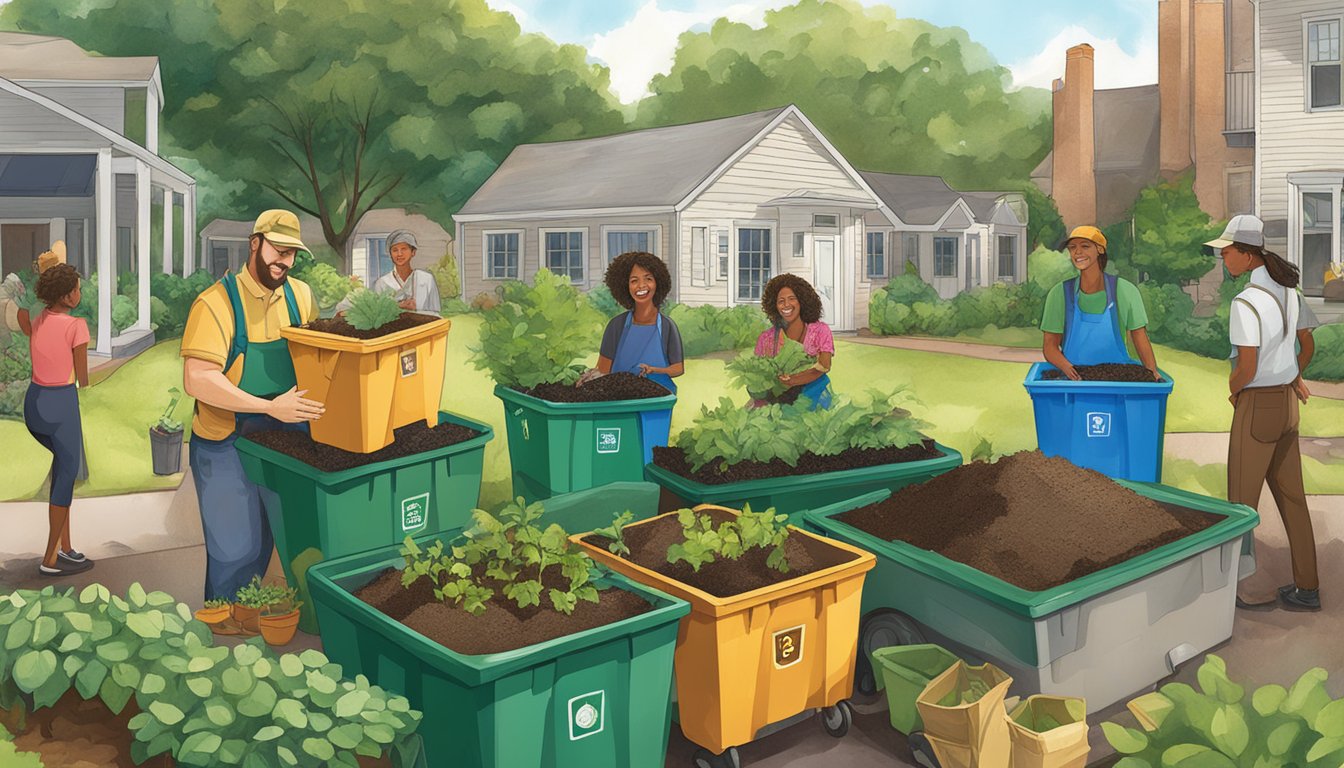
[636, 38]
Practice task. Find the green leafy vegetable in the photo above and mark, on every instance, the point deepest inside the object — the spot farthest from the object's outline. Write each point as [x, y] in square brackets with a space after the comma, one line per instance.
[704, 542]
[370, 310]
[616, 532]
[537, 334]
[760, 375]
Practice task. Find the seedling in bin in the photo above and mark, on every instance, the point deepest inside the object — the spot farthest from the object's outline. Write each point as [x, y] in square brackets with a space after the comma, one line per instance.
[616, 532]
[704, 542]
[370, 310]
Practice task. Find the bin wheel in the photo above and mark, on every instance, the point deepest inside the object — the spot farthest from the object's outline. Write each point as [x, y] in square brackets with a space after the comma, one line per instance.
[836, 720]
[881, 629]
[922, 751]
[706, 759]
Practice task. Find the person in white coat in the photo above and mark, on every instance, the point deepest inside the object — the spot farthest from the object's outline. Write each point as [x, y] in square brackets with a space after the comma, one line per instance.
[415, 289]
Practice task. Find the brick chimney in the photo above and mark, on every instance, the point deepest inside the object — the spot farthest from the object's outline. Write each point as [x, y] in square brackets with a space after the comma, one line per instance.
[1074, 184]
[1175, 70]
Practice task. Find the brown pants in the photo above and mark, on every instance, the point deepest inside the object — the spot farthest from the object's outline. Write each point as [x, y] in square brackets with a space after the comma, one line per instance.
[1263, 448]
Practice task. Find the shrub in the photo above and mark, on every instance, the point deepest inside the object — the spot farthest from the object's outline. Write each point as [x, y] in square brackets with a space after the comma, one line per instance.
[176, 294]
[328, 284]
[538, 333]
[703, 542]
[1328, 362]
[1047, 268]
[125, 313]
[706, 328]
[455, 307]
[602, 300]
[446, 277]
[759, 375]
[1170, 230]
[370, 310]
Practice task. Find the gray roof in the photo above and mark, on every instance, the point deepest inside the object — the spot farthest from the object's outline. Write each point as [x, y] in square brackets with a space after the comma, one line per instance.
[39, 57]
[653, 167]
[1127, 124]
[919, 200]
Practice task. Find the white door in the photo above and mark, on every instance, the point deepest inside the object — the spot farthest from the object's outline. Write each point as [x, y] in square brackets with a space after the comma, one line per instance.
[826, 276]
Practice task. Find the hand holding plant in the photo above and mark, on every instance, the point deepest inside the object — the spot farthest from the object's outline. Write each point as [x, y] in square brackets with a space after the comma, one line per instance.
[760, 376]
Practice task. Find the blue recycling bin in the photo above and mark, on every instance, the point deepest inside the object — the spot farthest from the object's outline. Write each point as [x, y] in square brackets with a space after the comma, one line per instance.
[1115, 428]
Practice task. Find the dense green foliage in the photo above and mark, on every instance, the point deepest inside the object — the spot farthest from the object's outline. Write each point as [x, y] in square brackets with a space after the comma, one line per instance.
[1170, 230]
[370, 310]
[537, 333]
[759, 375]
[706, 329]
[328, 284]
[1328, 362]
[704, 542]
[1045, 227]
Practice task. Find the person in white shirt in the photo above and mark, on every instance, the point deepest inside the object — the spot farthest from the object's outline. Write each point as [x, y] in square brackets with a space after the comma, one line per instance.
[1270, 330]
[414, 289]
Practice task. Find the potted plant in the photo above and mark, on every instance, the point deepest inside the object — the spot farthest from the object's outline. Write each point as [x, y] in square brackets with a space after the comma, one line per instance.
[792, 458]
[215, 612]
[165, 438]
[376, 369]
[279, 618]
[487, 630]
[247, 605]
[774, 621]
[531, 343]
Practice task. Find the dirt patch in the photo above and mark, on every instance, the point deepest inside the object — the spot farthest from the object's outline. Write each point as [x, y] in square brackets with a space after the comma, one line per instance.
[1032, 521]
[1105, 372]
[504, 626]
[341, 327]
[674, 460]
[75, 733]
[613, 386]
[407, 441]
[648, 545]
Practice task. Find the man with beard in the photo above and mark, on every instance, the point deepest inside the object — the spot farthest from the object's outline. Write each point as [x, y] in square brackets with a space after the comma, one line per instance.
[238, 368]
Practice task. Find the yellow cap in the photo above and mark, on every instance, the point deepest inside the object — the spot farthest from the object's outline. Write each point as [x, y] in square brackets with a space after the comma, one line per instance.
[48, 259]
[281, 228]
[1087, 232]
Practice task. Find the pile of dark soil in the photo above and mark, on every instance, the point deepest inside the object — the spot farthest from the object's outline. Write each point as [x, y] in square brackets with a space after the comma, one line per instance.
[504, 626]
[787, 397]
[341, 327]
[648, 545]
[75, 733]
[1105, 372]
[613, 386]
[1032, 521]
[407, 441]
[674, 460]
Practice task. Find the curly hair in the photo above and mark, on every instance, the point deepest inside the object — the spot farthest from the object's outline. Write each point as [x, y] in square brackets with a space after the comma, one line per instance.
[618, 277]
[808, 300]
[56, 283]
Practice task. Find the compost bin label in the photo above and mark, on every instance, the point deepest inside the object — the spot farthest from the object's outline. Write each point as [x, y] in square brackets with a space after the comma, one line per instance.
[413, 513]
[587, 715]
[609, 440]
[788, 645]
[1098, 424]
[409, 364]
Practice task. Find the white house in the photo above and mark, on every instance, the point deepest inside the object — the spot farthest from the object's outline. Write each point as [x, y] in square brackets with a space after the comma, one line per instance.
[957, 240]
[79, 162]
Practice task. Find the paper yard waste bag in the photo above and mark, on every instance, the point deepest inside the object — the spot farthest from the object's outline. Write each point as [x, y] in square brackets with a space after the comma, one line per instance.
[964, 716]
[1049, 732]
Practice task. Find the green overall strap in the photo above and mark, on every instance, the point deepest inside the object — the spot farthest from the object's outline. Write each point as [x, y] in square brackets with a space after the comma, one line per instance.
[239, 345]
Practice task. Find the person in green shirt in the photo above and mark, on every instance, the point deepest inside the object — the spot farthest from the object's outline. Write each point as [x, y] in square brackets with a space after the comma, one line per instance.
[1086, 317]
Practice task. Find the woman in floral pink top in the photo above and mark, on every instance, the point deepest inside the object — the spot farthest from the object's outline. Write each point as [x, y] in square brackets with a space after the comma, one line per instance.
[794, 309]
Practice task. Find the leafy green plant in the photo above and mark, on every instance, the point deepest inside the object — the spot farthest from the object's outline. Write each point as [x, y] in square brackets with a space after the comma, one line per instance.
[370, 310]
[602, 300]
[11, 757]
[218, 603]
[616, 532]
[252, 594]
[1187, 728]
[707, 328]
[166, 422]
[984, 451]
[506, 554]
[537, 334]
[704, 542]
[279, 600]
[760, 375]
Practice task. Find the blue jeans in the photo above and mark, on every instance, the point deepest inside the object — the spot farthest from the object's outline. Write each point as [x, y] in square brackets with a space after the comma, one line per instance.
[52, 417]
[238, 539]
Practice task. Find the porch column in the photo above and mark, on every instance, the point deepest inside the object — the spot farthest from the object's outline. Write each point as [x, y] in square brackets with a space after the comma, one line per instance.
[142, 249]
[104, 204]
[189, 230]
[167, 231]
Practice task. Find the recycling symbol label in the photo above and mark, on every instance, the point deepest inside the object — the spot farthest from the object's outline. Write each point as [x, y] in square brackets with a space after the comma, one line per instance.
[587, 715]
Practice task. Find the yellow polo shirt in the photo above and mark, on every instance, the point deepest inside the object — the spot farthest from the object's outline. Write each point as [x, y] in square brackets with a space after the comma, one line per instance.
[209, 335]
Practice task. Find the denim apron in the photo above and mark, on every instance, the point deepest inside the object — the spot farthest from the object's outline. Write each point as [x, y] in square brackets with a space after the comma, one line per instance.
[1093, 339]
[644, 344]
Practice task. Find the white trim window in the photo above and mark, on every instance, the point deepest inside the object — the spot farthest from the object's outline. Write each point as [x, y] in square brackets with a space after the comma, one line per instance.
[378, 261]
[875, 252]
[945, 256]
[1319, 233]
[1007, 256]
[503, 251]
[754, 257]
[1323, 64]
[722, 251]
[564, 252]
[910, 251]
[618, 240]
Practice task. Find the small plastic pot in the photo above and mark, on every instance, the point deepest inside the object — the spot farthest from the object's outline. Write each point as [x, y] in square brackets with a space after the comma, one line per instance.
[279, 630]
[213, 616]
[247, 618]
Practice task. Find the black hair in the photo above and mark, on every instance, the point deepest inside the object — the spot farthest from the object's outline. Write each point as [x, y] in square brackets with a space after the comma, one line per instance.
[618, 277]
[808, 300]
[1283, 271]
[56, 283]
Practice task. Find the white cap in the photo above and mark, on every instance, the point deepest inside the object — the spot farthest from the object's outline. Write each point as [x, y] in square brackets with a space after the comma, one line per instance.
[1243, 228]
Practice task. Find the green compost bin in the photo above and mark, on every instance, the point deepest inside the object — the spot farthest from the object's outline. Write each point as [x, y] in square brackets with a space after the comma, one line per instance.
[793, 495]
[595, 699]
[595, 508]
[1103, 637]
[904, 671]
[316, 515]
[557, 448]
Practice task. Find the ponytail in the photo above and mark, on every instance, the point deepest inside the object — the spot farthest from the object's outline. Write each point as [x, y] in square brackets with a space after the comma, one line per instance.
[1281, 270]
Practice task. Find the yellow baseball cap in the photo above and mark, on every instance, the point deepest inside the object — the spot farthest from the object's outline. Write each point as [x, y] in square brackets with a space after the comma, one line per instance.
[1087, 232]
[281, 228]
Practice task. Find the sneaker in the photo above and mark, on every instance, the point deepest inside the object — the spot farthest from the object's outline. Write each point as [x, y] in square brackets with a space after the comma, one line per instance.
[70, 556]
[1296, 599]
[63, 569]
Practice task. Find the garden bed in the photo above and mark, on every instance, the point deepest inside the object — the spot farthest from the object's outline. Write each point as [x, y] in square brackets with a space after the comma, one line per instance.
[1033, 521]
[1104, 372]
[339, 326]
[675, 460]
[407, 441]
[609, 388]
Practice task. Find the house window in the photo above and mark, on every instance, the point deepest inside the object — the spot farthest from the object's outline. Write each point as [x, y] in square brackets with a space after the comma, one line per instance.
[799, 244]
[877, 254]
[723, 255]
[911, 251]
[1239, 192]
[1007, 257]
[753, 263]
[629, 240]
[825, 220]
[74, 245]
[1323, 63]
[563, 253]
[1318, 230]
[944, 257]
[501, 255]
[379, 262]
[219, 259]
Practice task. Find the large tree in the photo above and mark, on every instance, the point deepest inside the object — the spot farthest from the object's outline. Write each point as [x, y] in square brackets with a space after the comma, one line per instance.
[893, 94]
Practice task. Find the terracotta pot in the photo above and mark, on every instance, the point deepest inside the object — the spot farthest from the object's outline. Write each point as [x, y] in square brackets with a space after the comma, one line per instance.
[246, 617]
[279, 630]
[214, 616]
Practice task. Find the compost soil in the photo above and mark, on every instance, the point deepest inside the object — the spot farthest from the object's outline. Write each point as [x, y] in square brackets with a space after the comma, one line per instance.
[674, 460]
[787, 397]
[407, 441]
[1105, 372]
[1030, 520]
[341, 327]
[504, 626]
[613, 386]
[648, 545]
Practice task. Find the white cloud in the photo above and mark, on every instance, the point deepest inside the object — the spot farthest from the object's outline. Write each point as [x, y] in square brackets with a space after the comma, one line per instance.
[1115, 67]
[646, 44]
